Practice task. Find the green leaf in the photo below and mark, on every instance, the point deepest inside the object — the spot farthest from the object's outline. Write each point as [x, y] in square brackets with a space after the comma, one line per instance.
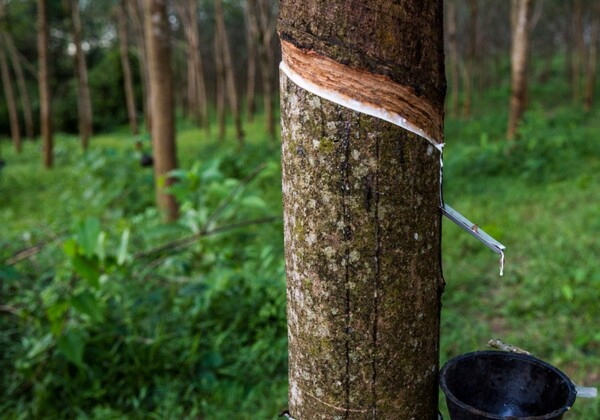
[70, 247]
[87, 304]
[88, 269]
[122, 255]
[88, 232]
[55, 315]
[71, 345]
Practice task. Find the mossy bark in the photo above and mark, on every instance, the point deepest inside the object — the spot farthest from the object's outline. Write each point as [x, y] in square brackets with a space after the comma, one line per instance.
[362, 235]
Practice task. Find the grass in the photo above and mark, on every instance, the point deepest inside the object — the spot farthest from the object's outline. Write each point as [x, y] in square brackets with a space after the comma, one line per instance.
[539, 197]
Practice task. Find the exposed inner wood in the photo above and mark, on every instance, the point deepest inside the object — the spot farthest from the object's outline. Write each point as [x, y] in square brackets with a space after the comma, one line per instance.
[373, 90]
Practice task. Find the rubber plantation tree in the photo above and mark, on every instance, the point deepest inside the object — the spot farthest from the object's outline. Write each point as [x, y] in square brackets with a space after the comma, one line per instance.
[362, 205]
[157, 32]
[44, 84]
[126, 67]
[520, 17]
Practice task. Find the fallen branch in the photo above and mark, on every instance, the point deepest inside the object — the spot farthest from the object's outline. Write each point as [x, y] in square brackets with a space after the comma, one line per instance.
[189, 240]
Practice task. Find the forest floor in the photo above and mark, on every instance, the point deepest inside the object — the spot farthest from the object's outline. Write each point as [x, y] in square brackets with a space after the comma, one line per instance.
[108, 315]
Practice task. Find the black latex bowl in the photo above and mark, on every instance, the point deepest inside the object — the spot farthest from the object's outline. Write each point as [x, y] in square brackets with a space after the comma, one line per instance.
[501, 385]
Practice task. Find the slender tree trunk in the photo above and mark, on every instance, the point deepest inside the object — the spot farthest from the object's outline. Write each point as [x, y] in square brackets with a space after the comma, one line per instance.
[469, 70]
[126, 66]
[592, 59]
[252, 41]
[361, 206]
[453, 56]
[137, 20]
[196, 92]
[18, 69]
[219, 83]
[578, 49]
[44, 85]
[161, 102]
[519, 64]
[10, 98]
[232, 95]
[267, 31]
[84, 102]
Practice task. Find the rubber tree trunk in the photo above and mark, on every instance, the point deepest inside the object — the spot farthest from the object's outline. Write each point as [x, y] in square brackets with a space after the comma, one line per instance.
[266, 61]
[136, 13]
[453, 55]
[126, 67]
[361, 211]
[44, 85]
[519, 64]
[161, 103]
[84, 102]
[252, 46]
[11, 103]
[18, 69]
[227, 62]
[592, 59]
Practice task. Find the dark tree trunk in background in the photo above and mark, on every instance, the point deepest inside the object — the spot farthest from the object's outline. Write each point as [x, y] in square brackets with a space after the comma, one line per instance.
[453, 56]
[252, 46]
[196, 89]
[9, 43]
[44, 85]
[126, 67]
[84, 102]
[136, 13]
[578, 51]
[227, 69]
[11, 103]
[519, 63]
[266, 25]
[592, 59]
[161, 102]
[219, 82]
[361, 211]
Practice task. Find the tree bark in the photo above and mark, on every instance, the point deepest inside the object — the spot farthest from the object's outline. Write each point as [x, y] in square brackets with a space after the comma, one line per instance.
[10, 98]
[361, 209]
[44, 85]
[519, 63]
[225, 52]
[219, 82]
[126, 67]
[84, 102]
[161, 102]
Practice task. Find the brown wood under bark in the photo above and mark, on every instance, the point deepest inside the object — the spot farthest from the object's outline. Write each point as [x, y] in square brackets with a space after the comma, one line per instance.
[161, 102]
[361, 216]
[126, 67]
[519, 63]
[44, 85]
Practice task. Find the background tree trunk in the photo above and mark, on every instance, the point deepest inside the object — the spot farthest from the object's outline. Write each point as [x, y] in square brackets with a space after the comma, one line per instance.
[578, 52]
[44, 85]
[126, 66]
[161, 102]
[361, 215]
[84, 102]
[252, 45]
[592, 59]
[18, 69]
[453, 56]
[519, 63]
[225, 52]
[219, 81]
[10, 98]
[266, 60]
[137, 19]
